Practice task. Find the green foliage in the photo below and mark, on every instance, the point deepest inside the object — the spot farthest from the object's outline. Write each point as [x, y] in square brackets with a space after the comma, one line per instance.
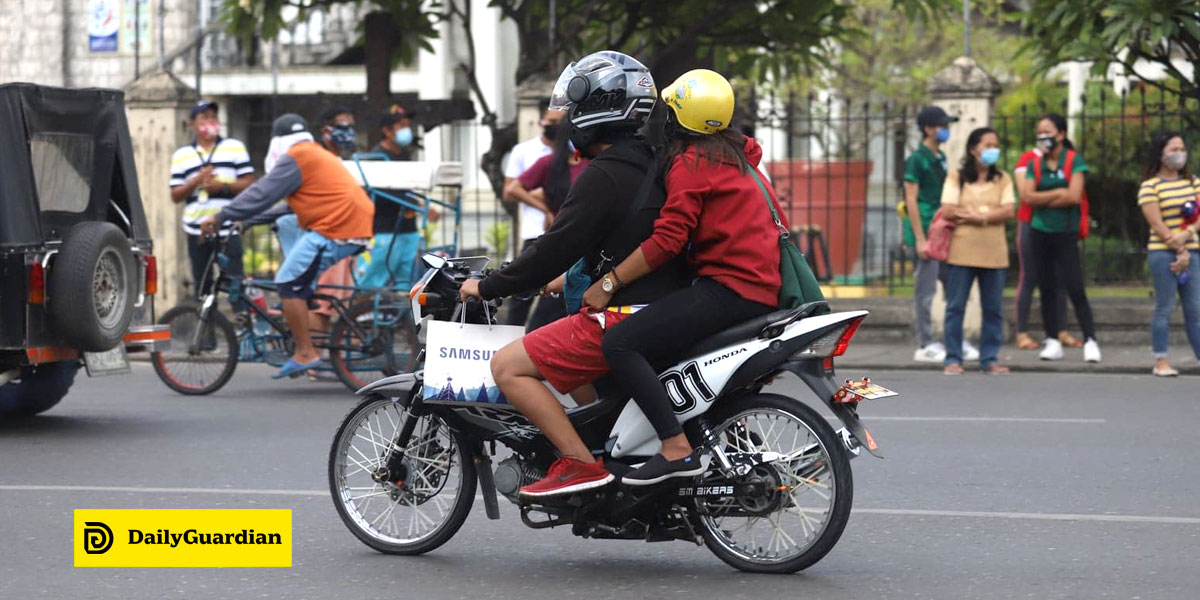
[498, 236]
[1119, 32]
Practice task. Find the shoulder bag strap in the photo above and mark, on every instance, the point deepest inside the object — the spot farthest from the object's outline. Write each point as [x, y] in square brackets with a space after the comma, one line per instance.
[771, 205]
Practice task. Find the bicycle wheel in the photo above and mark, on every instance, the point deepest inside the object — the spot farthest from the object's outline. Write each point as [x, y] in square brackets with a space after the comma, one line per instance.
[381, 342]
[197, 361]
[807, 487]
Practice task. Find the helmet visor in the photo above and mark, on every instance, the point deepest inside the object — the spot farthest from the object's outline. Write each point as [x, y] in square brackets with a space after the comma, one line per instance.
[591, 68]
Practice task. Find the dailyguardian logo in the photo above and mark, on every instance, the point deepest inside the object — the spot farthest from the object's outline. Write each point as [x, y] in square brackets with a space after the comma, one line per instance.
[97, 537]
[183, 538]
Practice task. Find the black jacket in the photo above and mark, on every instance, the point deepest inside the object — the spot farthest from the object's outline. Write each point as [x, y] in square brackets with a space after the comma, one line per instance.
[595, 222]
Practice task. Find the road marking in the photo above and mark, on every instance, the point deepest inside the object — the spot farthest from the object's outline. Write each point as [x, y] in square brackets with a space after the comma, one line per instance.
[159, 490]
[989, 419]
[898, 512]
[1028, 516]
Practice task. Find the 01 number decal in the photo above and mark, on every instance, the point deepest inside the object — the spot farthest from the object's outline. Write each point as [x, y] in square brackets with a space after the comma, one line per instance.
[682, 396]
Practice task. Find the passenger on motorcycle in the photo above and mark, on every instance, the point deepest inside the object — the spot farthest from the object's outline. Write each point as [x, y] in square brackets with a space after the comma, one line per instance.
[331, 207]
[610, 208]
[715, 204]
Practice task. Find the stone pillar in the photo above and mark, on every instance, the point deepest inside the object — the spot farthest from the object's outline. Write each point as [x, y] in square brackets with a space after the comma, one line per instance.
[157, 107]
[966, 91]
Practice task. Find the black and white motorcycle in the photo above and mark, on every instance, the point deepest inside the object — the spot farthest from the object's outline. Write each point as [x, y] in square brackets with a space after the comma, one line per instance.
[404, 471]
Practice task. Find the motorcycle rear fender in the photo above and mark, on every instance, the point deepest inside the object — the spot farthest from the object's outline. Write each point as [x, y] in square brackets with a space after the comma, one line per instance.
[696, 383]
[821, 382]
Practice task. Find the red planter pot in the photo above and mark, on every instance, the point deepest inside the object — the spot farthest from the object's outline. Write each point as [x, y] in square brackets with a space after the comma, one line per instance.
[830, 194]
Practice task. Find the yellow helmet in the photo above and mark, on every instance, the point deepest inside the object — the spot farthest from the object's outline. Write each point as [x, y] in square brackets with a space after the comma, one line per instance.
[702, 101]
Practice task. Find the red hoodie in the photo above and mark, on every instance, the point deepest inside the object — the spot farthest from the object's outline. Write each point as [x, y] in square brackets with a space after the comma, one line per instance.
[721, 211]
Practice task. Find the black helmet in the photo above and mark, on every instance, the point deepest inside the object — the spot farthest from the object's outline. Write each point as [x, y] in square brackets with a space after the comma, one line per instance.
[604, 91]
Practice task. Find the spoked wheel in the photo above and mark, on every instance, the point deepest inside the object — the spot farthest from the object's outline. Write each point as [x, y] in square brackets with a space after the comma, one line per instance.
[201, 357]
[383, 342]
[415, 509]
[795, 487]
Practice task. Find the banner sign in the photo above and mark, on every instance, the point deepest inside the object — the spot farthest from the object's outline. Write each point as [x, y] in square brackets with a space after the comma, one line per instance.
[103, 22]
[458, 361]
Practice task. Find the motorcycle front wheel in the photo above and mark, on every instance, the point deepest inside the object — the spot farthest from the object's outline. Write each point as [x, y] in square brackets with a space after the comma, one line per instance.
[415, 510]
[790, 453]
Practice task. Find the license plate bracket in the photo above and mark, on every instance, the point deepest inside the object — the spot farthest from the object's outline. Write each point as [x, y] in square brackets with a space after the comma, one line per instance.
[109, 362]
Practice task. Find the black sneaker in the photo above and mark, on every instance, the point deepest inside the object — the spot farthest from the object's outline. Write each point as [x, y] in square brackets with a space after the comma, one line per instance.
[660, 469]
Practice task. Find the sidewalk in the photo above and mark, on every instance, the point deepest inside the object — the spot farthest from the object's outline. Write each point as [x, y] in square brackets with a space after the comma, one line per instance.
[1117, 359]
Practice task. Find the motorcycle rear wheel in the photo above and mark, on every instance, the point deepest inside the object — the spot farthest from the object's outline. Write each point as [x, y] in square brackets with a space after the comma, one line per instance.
[814, 469]
[438, 488]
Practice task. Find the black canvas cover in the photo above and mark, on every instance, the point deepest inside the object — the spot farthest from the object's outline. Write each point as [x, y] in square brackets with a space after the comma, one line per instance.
[65, 157]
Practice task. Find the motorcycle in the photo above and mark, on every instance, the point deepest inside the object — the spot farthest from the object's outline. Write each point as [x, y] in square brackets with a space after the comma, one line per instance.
[776, 495]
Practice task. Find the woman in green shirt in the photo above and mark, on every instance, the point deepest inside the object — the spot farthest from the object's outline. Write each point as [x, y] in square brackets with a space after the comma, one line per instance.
[1059, 177]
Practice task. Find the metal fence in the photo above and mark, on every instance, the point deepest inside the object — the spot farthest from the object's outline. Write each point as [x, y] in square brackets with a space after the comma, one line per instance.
[840, 175]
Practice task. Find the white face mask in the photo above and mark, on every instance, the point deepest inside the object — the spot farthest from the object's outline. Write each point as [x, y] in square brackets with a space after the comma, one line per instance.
[1175, 160]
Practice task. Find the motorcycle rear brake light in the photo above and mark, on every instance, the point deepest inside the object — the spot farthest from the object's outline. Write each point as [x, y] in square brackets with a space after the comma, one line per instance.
[844, 341]
[151, 275]
[824, 345]
[37, 284]
[827, 364]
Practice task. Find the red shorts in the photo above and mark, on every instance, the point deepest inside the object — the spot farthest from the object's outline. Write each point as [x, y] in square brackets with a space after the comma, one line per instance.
[567, 352]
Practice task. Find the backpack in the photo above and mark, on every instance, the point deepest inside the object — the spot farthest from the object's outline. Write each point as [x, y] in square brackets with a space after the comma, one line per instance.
[1085, 223]
[798, 285]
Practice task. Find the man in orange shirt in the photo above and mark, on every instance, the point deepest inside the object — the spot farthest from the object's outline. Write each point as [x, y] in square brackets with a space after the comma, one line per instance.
[329, 205]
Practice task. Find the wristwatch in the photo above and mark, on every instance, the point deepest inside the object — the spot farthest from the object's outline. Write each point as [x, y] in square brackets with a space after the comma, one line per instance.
[608, 284]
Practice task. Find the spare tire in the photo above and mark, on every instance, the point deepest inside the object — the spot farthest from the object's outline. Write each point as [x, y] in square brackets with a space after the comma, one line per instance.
[92, 287]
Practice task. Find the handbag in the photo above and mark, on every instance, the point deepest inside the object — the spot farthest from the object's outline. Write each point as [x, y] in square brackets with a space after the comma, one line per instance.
[798, 284]
[940, 232]
[458, 361]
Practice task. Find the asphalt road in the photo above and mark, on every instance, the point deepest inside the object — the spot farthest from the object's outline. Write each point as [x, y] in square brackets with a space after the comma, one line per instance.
[1027, 486]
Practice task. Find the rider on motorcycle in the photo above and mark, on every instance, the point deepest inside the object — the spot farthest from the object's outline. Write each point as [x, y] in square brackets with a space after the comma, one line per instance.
[609, 210]
[717, 208]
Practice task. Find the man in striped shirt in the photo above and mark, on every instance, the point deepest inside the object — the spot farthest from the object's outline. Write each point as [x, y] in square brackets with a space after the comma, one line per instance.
[206, 175]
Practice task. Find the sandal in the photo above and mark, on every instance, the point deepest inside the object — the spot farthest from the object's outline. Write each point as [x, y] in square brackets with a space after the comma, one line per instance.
[1024, 342]
[997, 370]
[953, 369]
[1069, 340]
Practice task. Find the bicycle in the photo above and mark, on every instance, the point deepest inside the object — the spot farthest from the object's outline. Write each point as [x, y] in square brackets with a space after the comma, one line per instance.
[373, 336]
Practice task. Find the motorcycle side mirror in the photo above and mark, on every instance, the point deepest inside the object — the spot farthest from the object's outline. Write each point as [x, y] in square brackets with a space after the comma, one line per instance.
[433, 261]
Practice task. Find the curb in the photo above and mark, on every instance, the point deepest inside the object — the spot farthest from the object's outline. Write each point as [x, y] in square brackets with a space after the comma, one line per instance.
[1038, 368]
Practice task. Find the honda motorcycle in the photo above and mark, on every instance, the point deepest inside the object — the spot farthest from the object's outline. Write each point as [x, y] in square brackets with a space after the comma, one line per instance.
[404, 471]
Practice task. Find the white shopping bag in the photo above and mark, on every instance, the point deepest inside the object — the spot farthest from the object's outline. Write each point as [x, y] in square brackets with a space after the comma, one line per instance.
[458, 361]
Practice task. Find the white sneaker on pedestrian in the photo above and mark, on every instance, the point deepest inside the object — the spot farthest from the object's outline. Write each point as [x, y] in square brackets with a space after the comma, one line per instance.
[1091, 351]
[931, 353]
[1053, 350]
[969, 351]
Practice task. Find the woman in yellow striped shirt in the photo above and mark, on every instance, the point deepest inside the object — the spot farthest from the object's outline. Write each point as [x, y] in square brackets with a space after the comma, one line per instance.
[1174, 252]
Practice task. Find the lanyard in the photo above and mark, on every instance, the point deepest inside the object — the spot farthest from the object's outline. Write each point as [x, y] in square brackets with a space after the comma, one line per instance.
[203, 161]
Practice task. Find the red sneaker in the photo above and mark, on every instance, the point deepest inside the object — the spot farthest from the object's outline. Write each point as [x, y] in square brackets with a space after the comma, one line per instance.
[567, 475]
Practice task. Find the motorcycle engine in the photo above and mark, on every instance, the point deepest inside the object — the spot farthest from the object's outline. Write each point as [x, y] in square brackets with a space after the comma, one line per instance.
[511, 474]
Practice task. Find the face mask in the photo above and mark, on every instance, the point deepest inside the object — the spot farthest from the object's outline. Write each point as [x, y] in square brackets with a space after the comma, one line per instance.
[989, 156]
[550, 131]
[210, 129]
[403, 137]
[1175, 160]
[943, 135]
[342, 136]
[1047, 142]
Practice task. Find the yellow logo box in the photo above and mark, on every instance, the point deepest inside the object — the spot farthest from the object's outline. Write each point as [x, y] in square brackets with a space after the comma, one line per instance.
[183, 538]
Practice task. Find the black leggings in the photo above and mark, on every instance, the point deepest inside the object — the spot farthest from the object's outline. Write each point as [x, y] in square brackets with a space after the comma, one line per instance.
[1059, 269]
[662, 332]
[1027, 280]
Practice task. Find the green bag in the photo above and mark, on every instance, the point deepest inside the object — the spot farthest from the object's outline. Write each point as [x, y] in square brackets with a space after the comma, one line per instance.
[799, 284]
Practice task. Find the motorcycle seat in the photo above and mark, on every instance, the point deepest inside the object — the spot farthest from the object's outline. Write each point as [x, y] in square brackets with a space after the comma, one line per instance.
[768, 325]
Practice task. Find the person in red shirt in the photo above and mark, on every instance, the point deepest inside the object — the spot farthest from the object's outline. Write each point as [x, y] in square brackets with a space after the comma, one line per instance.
[714, 204]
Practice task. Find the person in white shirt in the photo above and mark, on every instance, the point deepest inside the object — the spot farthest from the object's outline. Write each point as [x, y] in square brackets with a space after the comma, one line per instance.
[534, 216]
[206, 175]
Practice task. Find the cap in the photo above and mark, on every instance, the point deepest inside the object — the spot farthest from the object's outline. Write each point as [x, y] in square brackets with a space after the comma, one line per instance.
[394, 115]
[934, 116]
[288, 124]
[200, 107]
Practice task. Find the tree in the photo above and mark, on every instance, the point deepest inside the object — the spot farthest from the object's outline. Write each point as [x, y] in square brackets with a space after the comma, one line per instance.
[1160, 33]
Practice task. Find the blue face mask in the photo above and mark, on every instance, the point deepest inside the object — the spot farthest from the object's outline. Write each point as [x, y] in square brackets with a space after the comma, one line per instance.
[403, 137]
[342, 136]
[943, 135]
[989, 156]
